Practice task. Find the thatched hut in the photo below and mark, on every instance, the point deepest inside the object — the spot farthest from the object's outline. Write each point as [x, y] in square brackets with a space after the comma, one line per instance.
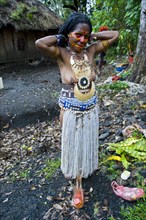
[21, 23]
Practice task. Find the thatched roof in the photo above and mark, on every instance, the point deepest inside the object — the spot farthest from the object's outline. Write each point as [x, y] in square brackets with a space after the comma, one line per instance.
[28, 15]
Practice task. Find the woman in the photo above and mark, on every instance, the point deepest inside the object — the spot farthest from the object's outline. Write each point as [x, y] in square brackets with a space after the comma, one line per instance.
[78, 100]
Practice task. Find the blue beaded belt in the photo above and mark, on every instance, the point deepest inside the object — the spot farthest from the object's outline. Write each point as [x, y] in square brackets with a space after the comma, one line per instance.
[77, 105]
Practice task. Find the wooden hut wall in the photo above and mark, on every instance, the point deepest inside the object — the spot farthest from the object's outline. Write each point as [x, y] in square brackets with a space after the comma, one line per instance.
[31, 38]
[19, 46]
[40, 34]
[9, 45]
[3, 54]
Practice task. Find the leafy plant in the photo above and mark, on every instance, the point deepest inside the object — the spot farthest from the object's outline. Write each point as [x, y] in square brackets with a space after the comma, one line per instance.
[120, 15]
[131, 148]
[118, 86]
[137, 212]
[115, 86]
[112, 172]
[16, 15]
[21, 8]
[125, 74]
[3, 2]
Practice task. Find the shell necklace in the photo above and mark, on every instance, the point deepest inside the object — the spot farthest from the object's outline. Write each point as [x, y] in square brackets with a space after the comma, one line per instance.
[82, 70]
[80, 67]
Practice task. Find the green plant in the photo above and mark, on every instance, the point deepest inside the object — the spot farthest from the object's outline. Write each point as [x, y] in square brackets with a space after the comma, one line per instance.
[32, 10]
[118, 86]
[21, 174]
[126, 73]
[130, 149]
[3, 2]
[137, 212]
[112, 218]
[54, 95]
[16, 15]
[96, 208]
[112, 172]
[20, 11]
[50, 168]
[114, 87]
[140, 181]
[120, 15]
[137, 134]
[24, 174]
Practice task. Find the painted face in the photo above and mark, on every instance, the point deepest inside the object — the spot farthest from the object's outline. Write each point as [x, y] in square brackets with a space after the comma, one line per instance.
[79, 37]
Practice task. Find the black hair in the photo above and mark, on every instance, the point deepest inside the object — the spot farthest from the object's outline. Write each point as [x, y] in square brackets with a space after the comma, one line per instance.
[74, 19]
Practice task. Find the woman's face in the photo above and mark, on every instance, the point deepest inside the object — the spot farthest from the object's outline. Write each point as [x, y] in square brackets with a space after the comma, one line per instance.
[79, 37]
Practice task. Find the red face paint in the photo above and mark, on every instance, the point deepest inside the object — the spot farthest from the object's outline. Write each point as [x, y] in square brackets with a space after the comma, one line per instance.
[76, 46]
[80, 36]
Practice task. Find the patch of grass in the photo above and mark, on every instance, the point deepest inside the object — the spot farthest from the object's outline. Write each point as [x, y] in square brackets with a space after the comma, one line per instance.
[115, 86]
[134, 107]
[140, 180]
[111, 167]
[50, 168]
[54, 95]
[22, 174]
[137, 212]
[113, 173]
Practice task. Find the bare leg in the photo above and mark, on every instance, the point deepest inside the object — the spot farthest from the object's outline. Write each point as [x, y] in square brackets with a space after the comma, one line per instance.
[78, 197]
[79, 182]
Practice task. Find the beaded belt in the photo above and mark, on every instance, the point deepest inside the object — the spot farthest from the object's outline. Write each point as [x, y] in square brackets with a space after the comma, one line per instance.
[67, 93]
[77, 105]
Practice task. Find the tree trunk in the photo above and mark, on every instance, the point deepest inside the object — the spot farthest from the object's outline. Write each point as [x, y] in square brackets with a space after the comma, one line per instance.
[139, 65]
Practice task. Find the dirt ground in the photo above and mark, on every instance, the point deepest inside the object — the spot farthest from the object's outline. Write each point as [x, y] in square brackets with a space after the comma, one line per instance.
[30, 96]
[30, 93]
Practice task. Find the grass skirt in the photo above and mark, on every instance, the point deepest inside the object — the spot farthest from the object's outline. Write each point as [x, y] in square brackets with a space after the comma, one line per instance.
[79, 153]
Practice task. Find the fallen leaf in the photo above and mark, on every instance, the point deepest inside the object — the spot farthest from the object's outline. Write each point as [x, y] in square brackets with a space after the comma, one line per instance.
[57, 206]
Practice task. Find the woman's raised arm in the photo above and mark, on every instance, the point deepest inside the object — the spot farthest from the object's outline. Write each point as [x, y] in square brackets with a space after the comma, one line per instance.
[48, 45]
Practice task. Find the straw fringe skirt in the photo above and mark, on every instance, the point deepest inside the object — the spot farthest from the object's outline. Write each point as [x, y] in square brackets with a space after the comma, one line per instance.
[79, 155]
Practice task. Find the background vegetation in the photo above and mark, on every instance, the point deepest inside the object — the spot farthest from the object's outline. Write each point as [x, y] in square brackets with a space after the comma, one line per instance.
[121, 15]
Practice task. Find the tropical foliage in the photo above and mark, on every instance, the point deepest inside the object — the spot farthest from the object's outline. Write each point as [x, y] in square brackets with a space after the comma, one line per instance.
[131, 148]
[120, 15]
